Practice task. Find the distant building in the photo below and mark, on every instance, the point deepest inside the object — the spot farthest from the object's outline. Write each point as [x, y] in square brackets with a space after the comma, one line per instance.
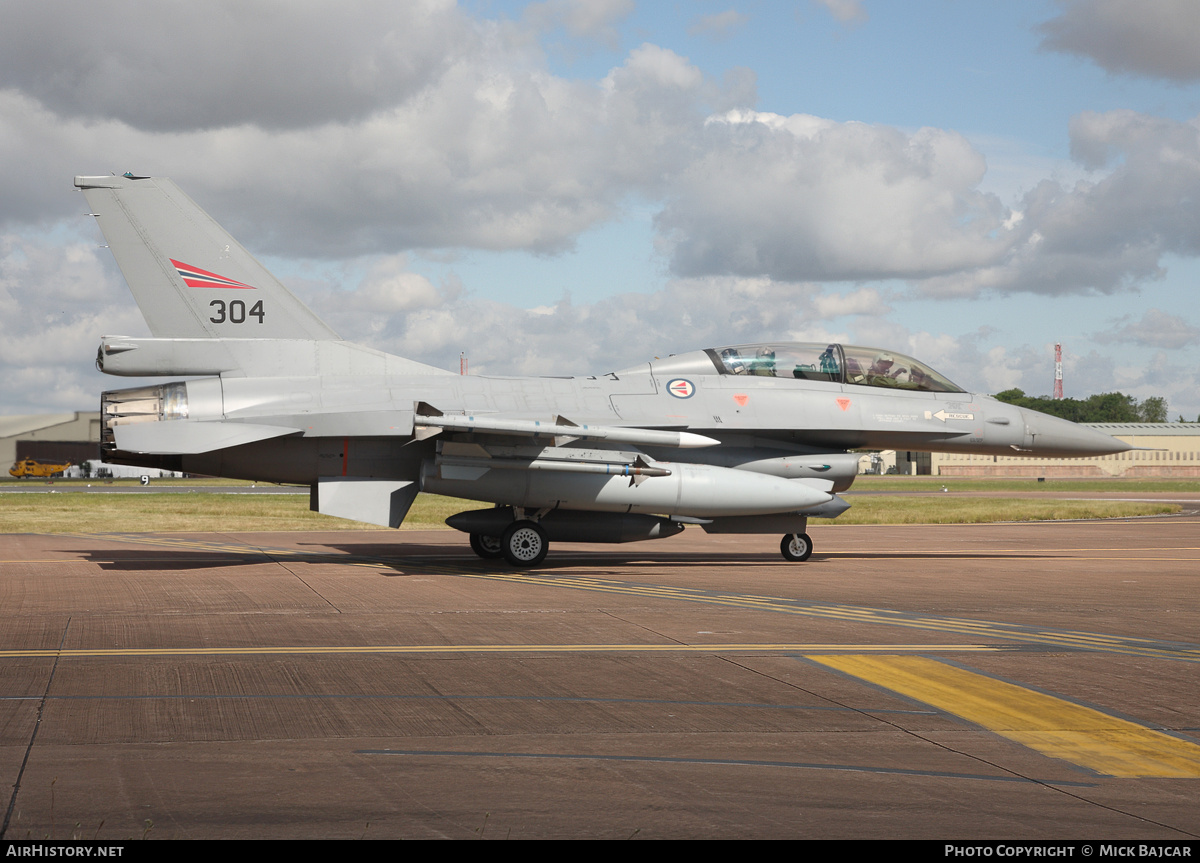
[66, 437]
[1164, 450]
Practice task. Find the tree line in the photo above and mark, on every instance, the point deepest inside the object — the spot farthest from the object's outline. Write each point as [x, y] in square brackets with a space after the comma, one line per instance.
[1103, 408]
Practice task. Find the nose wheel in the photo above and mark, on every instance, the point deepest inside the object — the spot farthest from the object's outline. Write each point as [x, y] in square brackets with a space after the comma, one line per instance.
[796, 547]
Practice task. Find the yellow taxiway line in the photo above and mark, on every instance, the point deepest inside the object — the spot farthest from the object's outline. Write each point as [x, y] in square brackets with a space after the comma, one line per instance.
[1050, 725]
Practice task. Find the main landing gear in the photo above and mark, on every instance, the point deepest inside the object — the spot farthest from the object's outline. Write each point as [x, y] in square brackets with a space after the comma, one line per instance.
[796, 547]
[487, 547]
[523, 544]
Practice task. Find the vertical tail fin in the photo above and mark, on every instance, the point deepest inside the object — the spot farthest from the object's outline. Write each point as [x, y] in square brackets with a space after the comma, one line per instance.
[190, 278]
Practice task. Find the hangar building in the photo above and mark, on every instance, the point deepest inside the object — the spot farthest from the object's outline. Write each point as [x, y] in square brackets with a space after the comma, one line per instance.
[1164, 450]
[73, 437]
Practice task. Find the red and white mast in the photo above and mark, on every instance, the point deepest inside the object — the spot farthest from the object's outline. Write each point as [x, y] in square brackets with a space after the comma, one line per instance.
[1058, 371]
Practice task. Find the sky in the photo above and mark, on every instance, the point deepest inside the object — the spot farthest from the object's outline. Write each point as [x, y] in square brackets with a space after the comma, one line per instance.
[578, 186]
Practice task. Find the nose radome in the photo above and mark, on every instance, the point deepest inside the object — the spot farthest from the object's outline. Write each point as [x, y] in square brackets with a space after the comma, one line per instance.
[1058, 437]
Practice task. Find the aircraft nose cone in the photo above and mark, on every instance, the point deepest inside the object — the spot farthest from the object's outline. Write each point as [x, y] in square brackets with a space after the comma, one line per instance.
[1058, 437]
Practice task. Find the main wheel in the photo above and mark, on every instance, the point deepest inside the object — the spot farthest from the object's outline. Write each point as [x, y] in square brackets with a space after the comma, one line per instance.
[524, 544]
[487, 547]
[796, 546]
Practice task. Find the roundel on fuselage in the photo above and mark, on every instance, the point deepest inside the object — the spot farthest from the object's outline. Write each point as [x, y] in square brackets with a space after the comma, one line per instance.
[681, 388]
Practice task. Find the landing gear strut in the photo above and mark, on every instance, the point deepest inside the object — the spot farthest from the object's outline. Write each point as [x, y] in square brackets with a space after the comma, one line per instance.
[796, 546]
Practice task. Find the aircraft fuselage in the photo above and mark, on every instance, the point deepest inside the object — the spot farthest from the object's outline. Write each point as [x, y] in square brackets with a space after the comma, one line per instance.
[757, 420]
[749, 438]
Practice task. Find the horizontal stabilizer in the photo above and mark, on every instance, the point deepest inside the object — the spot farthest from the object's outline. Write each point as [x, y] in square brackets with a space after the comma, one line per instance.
[260, 358]
[184, 437]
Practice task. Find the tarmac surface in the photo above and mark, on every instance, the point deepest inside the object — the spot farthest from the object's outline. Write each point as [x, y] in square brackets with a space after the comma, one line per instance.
[937, 682]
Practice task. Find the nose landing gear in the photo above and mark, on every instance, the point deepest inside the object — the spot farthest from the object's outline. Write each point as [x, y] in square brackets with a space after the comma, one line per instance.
[796, 547]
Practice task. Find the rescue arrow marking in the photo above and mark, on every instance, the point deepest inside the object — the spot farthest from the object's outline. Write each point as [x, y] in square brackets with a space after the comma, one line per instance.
[944, 415]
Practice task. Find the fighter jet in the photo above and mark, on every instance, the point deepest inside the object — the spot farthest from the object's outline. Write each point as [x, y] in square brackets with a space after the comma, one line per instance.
[746, 438]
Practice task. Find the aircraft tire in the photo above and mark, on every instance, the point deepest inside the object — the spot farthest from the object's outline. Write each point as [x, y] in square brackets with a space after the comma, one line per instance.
[796, 547]
[487, 547]
[524, 543]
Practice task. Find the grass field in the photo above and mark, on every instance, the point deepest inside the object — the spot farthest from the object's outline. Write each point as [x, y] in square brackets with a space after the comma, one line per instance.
[57, 511]
[953, 483]
[901, 509]
[168, 511]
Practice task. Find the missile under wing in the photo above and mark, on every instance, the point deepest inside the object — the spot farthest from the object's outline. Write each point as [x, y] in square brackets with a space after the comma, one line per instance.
[752, 438]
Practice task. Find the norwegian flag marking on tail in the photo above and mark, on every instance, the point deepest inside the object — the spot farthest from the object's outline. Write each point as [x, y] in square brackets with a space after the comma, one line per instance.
[194, 277]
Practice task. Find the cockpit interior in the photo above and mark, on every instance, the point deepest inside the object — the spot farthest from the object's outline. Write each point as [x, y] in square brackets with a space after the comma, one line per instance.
[835, 363]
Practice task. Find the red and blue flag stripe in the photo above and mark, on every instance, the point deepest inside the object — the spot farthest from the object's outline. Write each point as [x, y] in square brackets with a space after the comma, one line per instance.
[194, 277]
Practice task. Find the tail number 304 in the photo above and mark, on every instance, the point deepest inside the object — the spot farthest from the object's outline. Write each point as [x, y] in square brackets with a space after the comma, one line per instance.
[235, 312]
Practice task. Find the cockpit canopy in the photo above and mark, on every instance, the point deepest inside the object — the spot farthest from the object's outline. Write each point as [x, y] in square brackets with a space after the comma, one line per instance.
[835, 363]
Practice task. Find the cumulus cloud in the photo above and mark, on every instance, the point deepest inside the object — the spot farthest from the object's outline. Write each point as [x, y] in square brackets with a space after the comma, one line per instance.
[805, 198]
[570, 338]
[190, 66]
[718, 25]
[472, 143]
[1155, 329]
[864, 301]
[593, 20]
[387, 295]
[394, 310]
[1104, 234]
[512, 161]
[55, 303]
[1157, 38]
[493, 155]
[846, 11]
[1164, 376]
[800, 198]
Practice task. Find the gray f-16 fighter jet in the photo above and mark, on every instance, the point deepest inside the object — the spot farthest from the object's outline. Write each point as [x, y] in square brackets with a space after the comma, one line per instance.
[737, 439]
